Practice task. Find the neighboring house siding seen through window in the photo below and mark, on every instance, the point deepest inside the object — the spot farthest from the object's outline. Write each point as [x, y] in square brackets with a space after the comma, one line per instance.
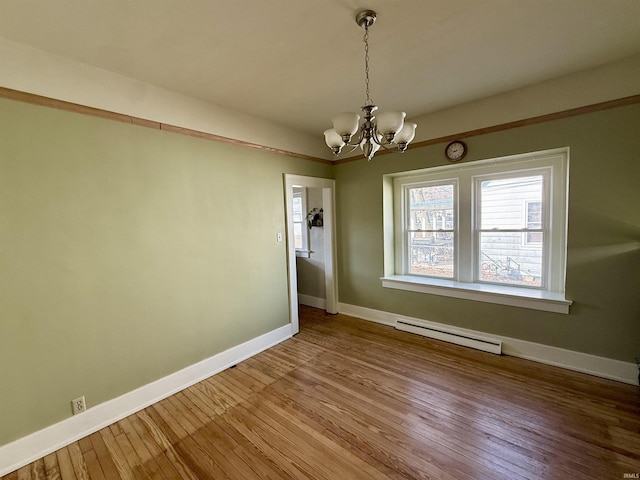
[502, 224]
[493, 226]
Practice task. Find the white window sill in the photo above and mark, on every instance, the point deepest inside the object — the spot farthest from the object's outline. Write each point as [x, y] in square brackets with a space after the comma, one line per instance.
[481, 292]
[303, 253]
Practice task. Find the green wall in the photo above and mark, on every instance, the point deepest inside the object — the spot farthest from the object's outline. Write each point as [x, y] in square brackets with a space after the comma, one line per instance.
[603, 272]
[126, 254]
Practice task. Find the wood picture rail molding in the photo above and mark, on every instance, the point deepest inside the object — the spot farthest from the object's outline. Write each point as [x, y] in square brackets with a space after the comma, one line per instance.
[572, 112]
[119, 117]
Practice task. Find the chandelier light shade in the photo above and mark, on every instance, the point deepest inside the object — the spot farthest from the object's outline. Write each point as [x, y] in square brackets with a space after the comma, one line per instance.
[386, 129]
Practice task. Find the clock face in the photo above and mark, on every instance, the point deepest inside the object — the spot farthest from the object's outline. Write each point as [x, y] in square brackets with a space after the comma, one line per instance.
[456, 150]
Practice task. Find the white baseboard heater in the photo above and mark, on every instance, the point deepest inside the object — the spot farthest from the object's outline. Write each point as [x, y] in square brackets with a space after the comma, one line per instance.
[451, 335]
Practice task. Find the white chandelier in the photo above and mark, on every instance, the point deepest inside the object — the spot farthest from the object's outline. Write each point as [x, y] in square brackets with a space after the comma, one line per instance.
[386, 129]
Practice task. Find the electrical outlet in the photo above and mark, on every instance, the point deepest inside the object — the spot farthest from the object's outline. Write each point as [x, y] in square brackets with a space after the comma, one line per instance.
[78, 405]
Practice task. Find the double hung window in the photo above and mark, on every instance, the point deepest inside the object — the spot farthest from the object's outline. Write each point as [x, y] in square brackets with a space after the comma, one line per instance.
[494, 227]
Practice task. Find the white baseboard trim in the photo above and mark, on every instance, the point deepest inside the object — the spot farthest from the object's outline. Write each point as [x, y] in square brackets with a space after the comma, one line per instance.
[43, 442]
[626, 372]
[370, 314]
[310, 301]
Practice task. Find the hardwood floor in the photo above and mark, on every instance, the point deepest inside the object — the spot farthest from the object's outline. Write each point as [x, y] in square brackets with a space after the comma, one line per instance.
[348, 399]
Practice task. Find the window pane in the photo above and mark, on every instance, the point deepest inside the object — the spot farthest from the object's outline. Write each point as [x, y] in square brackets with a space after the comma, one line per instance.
[431, 208]
[297, 209]
[503, 201]
[297, 235]
[503, 259]
[534, 220]
[431, 254]
[511, 257]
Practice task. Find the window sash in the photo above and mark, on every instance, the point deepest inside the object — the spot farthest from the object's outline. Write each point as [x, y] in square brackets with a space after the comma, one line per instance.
[504, 266]
[427, 254]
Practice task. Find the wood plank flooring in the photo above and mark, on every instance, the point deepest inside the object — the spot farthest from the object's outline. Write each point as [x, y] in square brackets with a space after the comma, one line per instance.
[348, 399]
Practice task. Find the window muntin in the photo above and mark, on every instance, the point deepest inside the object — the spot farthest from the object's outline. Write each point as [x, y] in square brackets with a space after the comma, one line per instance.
[431, 232]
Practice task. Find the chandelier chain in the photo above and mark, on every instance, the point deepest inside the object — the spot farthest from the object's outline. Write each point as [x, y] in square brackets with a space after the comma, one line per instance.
[368, 101]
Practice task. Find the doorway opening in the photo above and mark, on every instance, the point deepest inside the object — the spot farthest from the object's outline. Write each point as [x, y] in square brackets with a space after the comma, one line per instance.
[319, 194]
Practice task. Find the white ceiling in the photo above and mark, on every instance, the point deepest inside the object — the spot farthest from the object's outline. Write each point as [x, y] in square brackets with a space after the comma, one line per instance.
[298, 62]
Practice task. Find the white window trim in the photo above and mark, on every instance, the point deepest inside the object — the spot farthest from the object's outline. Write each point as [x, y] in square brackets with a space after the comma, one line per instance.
[551, 299]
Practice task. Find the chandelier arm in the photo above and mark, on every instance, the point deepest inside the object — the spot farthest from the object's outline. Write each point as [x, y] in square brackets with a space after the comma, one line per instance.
[388, 146]
[357, 142]
[374, 137]
[353, 147]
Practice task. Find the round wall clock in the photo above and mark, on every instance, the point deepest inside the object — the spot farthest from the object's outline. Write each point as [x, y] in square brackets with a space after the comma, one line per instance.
[456, 150]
